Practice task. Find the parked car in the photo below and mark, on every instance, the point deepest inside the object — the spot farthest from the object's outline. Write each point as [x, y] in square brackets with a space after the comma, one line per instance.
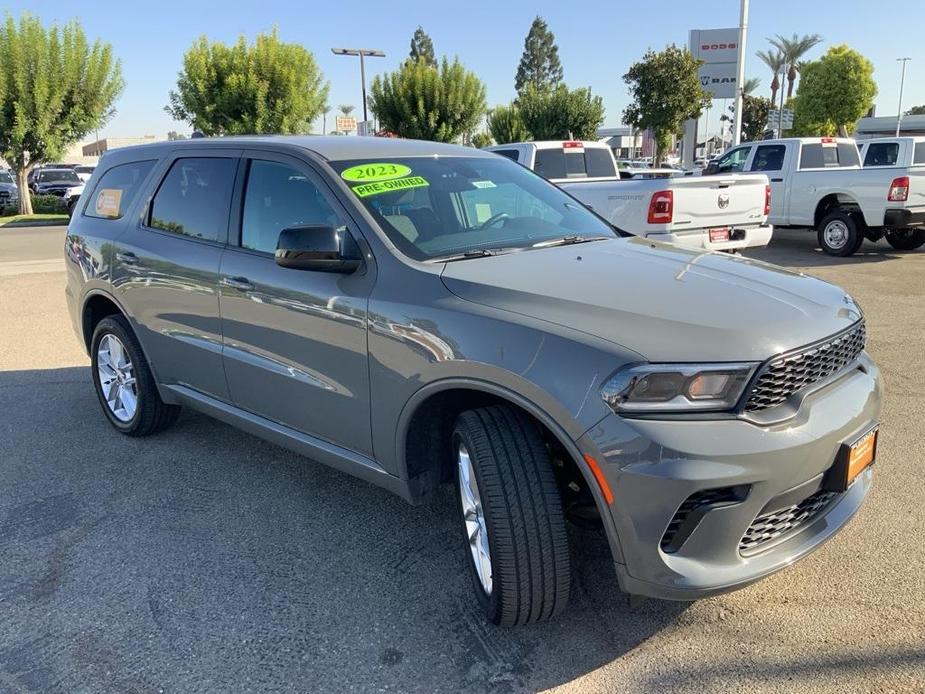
[9, 192]
[83, 172]
[658, 204]
[818, 183]
[61, 182]
[415, 313]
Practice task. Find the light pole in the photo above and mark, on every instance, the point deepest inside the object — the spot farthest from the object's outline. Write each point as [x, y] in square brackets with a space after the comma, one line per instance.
[362, 52]
[902, 80]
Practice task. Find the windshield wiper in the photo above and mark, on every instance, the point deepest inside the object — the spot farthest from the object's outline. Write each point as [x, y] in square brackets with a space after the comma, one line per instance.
[476, 253]
[568, 241]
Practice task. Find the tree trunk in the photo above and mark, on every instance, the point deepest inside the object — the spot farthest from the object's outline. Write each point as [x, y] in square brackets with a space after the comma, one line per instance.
[775, 85]
[791, 80]
[843, 131]
[22, 183]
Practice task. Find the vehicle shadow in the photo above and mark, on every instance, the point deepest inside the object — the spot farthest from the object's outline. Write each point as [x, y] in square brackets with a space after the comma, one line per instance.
[206, 559]
[797, 248]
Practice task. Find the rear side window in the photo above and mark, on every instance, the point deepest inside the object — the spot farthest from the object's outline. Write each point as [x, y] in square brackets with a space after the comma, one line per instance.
[919, 157]
[194, 197]
[882, 154]
[819, 156]
[550, 163]
[509, 153]
[117, 189]
[769, 158]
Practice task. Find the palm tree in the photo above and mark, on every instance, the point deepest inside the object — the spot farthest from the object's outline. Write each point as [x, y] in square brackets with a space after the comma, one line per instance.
[776, 62]
[750, 85]
[325, 110]
[793, 50]
[345, 109]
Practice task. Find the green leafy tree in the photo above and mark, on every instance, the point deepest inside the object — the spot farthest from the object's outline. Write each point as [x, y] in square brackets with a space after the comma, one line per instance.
[506, 125]
[793, 50]
[345, 109]
[916, 111]
[267, 87]
[55, 88]
[422, 47]
[665, 89]
[428, 103]
[480, 140]
[775, 62]
[838, 88]
[553, 114]
[539, 65]
[804, 125]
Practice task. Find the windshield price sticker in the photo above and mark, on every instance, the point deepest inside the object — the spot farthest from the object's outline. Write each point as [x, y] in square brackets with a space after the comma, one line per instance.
[376, 171]
[380, 187]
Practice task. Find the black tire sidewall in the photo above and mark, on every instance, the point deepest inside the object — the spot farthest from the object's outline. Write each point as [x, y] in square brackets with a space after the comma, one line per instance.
[489, 603]
[896, 239]
[116, 326]
[855, 235]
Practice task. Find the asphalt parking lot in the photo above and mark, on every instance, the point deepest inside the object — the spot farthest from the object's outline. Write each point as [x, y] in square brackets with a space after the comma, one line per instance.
[203, 559]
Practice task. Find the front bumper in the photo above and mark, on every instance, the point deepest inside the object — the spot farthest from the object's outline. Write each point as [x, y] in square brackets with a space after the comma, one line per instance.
[699, 239]
[654, 466]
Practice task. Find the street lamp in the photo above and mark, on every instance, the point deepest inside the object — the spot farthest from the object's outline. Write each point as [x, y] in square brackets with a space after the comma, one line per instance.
[362, 52]
[902, 79]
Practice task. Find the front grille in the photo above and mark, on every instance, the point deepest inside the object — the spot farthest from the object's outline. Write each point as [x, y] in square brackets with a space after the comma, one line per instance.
[770, 526]
[690, 512]
[785, 375]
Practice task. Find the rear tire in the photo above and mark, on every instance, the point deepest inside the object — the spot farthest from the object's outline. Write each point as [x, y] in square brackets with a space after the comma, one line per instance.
[511, 509]
[124, 383]
[840, 234]
[906, 239]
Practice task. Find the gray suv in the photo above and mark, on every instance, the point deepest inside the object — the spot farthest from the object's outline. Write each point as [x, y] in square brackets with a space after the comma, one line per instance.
[418, 314]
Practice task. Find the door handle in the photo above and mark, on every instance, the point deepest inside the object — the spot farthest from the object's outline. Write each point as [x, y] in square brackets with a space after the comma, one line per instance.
[777, 180]
[127, 257]
[242, 284]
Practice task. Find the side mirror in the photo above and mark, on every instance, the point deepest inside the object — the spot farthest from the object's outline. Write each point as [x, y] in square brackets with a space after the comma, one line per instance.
[711, 170]
[316, 247]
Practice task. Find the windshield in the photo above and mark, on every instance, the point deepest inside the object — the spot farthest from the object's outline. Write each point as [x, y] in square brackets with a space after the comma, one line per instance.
[66, 175]
[432, 207]
[5, 177]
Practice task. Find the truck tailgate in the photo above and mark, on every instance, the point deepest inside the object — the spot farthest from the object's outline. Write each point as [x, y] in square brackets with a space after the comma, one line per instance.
[717, 201]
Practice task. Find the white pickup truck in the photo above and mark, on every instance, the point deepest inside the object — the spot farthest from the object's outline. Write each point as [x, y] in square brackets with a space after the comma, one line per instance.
[717, 214]
[819, 183]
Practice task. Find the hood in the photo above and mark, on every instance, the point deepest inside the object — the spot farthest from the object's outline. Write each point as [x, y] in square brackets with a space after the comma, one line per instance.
[664, 302]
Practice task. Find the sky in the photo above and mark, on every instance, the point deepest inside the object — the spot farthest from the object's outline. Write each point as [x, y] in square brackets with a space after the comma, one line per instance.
[597, 41]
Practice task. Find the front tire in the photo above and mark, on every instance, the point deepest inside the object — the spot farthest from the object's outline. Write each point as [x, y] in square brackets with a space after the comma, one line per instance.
[124, 383]
[512, 520]
[906, 239]
[839, 234]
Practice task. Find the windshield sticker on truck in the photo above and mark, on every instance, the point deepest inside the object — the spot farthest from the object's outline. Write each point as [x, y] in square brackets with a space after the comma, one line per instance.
[484, 184]
[108, 201]
[376, 171]
[379, 187]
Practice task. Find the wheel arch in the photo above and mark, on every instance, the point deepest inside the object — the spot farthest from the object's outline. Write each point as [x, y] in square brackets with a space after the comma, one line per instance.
[833, 201]
[423, 447]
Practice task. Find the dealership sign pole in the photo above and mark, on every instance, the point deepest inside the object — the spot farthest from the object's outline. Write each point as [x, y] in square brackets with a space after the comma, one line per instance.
[740, 73]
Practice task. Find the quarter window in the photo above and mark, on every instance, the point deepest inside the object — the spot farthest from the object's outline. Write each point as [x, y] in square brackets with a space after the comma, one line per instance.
[277, 197]
[117, 190]
[194, 198]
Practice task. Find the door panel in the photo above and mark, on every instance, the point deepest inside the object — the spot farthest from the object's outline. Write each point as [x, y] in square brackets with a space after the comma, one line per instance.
[168, 280]
[771, 161]
[295, 344]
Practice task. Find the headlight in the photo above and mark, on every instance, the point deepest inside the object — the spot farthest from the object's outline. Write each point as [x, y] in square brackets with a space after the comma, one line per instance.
[676, 387]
